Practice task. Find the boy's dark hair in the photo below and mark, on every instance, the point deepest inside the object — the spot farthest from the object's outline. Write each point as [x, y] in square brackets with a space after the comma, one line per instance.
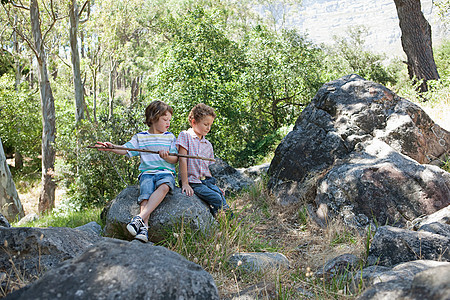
[200, 111]
[155, 110]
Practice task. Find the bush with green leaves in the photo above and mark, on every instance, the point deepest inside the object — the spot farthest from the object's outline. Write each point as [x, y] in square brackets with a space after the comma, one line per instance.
[20, 118]
[257, 85]
[200, 64]
[92, 177]
[349, 55]
[281, 76]
[6, 62]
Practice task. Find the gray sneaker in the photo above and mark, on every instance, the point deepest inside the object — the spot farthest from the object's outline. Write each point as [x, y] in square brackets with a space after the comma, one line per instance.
[142, 235]
[135, 225]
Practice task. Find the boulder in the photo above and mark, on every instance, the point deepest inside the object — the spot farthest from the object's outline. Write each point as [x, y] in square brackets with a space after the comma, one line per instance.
[391, 246]
[375, 183]
[4, 222]
[229, 179]
[360, 152]
[341, 265]
[391, 290]
[441, 216]
[92, 227]
[255, 172]
[31, 251]
[27, 219]
[402, 272]
[414, 280]
[174, 208]
[437, 228]
[431, 284]
[114, 269]
[258, 261]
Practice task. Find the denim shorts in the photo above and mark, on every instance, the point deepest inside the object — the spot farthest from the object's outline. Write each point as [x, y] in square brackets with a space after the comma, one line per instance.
[148, 183]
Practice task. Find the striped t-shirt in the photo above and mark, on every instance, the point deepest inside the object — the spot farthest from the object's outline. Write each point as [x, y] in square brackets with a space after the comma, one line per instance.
[153, 163]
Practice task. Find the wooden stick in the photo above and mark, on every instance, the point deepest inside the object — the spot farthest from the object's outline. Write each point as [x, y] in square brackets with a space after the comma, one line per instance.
[151, 151]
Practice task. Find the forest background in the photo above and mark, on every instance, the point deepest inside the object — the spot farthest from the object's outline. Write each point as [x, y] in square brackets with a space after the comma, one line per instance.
[106, 60]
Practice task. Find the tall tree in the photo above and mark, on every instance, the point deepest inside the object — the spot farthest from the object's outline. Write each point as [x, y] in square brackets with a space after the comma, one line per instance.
[47, 195]
[36, 44]
[416, 41]
[74, 19]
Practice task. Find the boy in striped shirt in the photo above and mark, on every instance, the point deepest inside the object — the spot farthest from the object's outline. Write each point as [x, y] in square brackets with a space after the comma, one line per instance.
[157, 170]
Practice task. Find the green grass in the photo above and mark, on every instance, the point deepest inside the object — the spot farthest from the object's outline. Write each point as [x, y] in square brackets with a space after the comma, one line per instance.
[211, 248]
[66, 218]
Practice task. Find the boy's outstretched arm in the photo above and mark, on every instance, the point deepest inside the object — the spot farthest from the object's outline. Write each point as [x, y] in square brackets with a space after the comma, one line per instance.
[185, 187]
[107, 146]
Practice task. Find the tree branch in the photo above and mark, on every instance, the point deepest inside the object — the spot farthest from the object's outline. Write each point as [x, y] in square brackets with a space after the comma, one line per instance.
[82, 9]
[19, 5]
[19, 32]
[63, 61]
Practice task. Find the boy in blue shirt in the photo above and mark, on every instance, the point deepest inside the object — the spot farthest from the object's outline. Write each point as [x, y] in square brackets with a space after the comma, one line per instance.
[157, 170]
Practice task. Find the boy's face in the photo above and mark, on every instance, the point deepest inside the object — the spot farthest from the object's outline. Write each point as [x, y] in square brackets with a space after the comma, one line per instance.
[202, 127]
[162, 125]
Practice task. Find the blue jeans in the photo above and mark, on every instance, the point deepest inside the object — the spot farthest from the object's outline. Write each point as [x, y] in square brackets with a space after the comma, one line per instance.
[209, 192]
[148, 183]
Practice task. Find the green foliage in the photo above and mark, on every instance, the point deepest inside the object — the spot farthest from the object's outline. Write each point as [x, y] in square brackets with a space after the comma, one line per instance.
[281, 76]
[200, 64]
[348, 55]
[344, 237]
[67, 216]
[442, 59]
[212, 248]
[446, 165]
[303, 217]
[6, 62]
[93, 177]
[256, 85]
[20, 118]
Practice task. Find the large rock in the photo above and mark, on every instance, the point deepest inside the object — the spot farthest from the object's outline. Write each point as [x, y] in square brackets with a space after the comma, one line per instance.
[174, 208]
[391, 246]
[377, 184]
[229, 179]
[431, 284]
[338, 266]
[415, 280]
[402, 272]
[258, 261]
[30, 251]
[441, 216]
[4, 222]
[114, 269]
[358, 151]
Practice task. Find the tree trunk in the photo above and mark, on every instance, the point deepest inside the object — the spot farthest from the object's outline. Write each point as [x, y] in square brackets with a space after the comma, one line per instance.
[18, 160]
[134, 90]
[10, 205]
[112, 73]
[416, 41]
[79, 95]
[94, 76]
[18, 69]
[47, 196]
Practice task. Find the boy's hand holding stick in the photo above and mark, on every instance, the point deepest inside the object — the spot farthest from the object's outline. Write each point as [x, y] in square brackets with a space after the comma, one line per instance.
[101, 147]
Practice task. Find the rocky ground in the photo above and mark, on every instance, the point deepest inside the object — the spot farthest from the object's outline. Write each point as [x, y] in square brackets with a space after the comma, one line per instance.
[306, 245]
